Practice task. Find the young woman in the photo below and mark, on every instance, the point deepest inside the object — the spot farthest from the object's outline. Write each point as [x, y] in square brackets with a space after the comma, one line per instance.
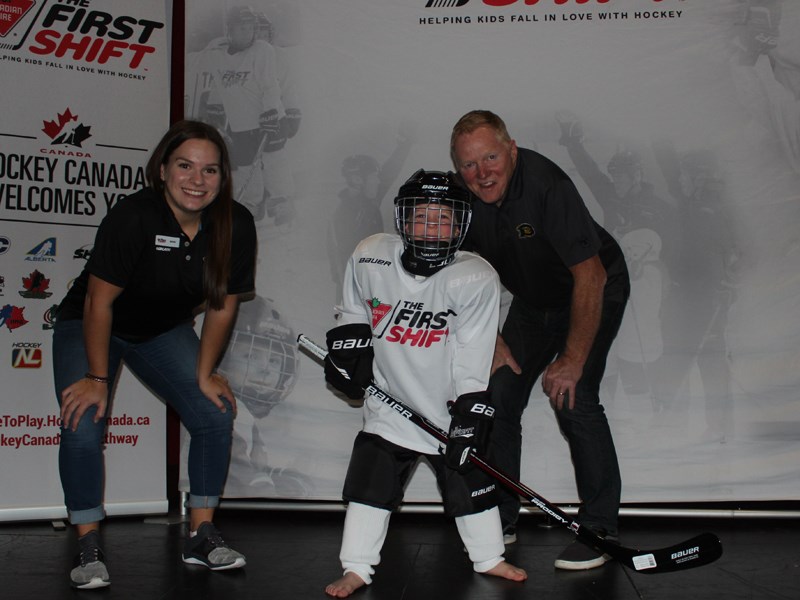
[160, 255]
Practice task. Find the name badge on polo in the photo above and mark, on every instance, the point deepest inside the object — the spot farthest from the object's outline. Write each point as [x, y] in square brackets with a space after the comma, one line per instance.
[165, 242]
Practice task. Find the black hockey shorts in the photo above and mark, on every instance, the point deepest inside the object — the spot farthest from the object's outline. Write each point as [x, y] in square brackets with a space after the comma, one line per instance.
[379, 470]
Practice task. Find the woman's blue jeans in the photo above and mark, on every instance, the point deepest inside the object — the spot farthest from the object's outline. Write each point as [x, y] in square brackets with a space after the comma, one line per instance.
[166, 364]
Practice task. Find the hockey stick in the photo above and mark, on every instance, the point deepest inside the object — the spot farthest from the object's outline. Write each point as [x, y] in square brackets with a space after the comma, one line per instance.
[695, 552]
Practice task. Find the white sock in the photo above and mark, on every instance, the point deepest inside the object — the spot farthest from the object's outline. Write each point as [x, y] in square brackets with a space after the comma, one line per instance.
[365, 529]
[482, 535]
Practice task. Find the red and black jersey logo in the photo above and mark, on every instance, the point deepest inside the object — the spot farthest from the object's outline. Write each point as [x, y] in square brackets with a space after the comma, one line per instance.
[412, 324]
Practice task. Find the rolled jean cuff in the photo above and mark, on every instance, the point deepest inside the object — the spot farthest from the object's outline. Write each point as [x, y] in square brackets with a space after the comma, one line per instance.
[202, 501]
[90, 515]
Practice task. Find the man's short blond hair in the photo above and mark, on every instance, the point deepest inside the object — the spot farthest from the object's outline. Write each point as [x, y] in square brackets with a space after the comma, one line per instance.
[472, 121]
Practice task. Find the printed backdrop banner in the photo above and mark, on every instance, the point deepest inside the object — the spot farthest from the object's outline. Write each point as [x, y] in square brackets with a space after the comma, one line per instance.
[85, 97]
[679, 120]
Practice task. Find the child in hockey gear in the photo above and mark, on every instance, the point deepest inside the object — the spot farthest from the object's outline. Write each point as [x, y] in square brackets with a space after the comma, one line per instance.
[430, 312]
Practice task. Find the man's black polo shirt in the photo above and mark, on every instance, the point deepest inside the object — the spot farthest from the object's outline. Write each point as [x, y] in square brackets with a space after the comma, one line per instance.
[541, 229]
[141, 248]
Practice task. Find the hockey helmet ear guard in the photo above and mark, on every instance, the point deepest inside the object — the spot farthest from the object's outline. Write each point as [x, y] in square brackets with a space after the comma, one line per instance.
[432, 215]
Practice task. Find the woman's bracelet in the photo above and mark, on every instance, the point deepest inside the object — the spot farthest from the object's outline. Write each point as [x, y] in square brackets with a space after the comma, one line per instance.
[96, 378]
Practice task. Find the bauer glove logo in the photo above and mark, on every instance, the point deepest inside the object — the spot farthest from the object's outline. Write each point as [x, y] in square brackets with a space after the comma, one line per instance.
[482, 409]
[351, 344]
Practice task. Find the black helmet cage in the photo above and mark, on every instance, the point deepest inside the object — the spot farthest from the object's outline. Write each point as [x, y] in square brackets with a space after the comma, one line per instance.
[426, 256]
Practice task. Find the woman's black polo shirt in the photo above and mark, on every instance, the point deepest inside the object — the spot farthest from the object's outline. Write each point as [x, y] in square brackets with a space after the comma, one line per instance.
[141, 248]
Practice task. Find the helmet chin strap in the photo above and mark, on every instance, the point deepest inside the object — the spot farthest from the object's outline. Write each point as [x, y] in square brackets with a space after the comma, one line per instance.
[418, 266]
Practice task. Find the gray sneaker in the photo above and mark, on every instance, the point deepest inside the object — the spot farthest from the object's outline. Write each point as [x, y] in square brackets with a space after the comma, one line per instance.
[90, 570]
[208, 549]
[578, 557]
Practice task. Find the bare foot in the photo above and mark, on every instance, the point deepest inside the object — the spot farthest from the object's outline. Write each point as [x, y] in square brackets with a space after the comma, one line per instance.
[343, 587]
[507, 571]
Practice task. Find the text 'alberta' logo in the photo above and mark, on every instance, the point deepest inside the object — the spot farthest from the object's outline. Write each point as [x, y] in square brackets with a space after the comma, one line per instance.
[44, 251]
[11, 13]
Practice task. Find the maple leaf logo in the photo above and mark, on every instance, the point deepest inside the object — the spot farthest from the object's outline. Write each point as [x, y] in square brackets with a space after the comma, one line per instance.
[62, 131]
[36, 285]
[379, 310]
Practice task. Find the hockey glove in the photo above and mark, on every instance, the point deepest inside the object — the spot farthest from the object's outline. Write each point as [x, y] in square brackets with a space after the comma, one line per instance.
[274, 138]
[759, 33]
[470, 425]
[215, 116]
[348, 365]
[291, 122]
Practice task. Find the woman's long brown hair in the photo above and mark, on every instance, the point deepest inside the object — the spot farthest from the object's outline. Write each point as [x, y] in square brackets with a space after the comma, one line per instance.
[216, 269]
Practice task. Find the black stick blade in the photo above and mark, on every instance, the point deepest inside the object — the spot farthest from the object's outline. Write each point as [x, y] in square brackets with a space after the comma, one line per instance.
[695, 552]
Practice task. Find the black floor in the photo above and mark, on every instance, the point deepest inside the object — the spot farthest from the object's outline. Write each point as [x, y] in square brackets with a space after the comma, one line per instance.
[293, 555]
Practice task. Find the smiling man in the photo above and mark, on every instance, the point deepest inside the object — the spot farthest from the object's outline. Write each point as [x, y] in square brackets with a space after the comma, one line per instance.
[570, 286]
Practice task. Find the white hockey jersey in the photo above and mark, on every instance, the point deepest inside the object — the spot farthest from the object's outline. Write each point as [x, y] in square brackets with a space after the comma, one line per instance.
[245, 83]
[434, 336]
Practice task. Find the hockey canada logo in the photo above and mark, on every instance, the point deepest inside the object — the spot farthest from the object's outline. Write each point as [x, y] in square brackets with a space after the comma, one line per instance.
[66, 129]
[36, 285]
[379, 311]
[11, 13]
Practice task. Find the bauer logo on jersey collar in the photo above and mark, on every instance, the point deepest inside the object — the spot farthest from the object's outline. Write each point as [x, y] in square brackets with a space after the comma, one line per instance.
[525, 230]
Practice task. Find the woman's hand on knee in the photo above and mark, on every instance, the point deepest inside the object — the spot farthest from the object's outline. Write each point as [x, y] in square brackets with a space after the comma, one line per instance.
[80, 397]
[216, 388]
